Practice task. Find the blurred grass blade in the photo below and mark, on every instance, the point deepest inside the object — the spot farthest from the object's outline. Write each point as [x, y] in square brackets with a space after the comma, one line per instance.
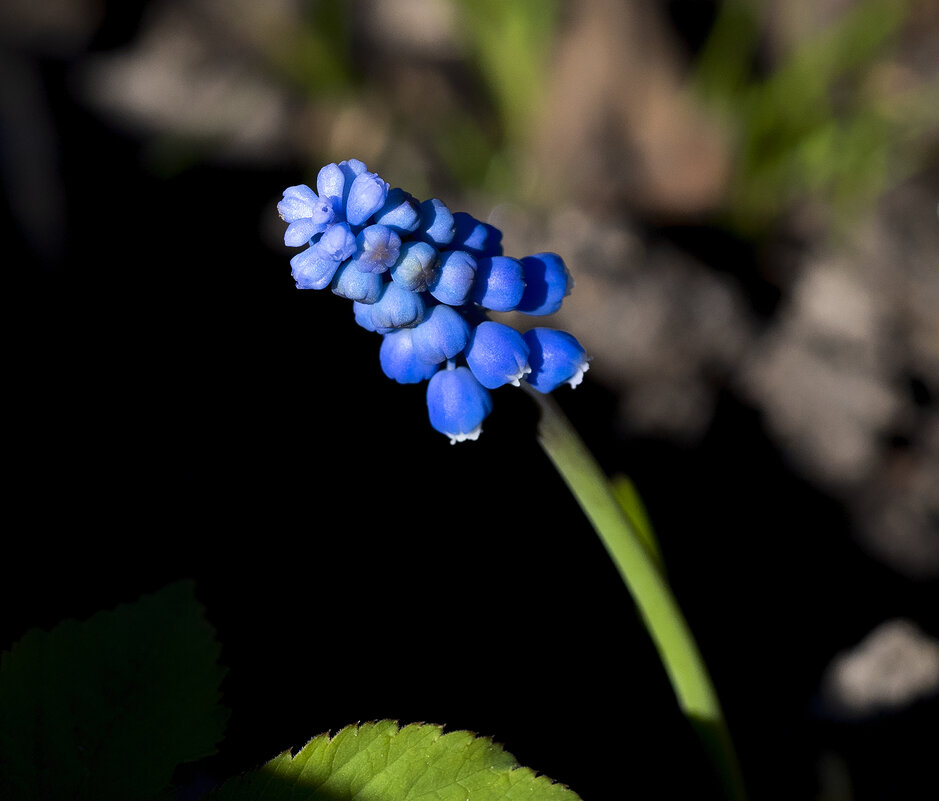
[631, 503]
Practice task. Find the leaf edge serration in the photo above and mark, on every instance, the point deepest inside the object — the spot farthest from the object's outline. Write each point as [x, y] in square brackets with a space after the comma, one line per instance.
[485, 769]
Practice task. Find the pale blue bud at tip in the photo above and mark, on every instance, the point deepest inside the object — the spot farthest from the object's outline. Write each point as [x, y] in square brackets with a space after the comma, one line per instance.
[555, 357]
[300, 232]
[354, 284]
[366, 196]
[330, 182]
[297, 203]
[416, 266]
[312, 268]
[479, 238]
[497, 354]
[547, 283]
[305, 214]
[436, 226]
[377, 248]
[397, 307]
[454, 277]
[353, 167]
[399, 360]
[337, 242]
[401, 212]
[499, 284]
[441, 335]
[457, 403]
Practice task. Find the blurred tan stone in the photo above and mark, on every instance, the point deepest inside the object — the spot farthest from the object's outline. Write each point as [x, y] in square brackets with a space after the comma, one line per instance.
[620, 126]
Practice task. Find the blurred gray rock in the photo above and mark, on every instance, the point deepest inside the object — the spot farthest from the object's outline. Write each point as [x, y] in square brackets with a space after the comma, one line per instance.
[194, 74]
[664, 331]
[894, 666]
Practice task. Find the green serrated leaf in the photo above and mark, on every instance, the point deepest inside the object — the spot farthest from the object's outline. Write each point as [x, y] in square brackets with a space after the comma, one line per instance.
[108, 708]
[381, 761]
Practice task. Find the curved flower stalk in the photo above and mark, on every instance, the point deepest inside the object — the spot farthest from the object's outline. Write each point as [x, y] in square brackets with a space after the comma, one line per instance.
[425, 279]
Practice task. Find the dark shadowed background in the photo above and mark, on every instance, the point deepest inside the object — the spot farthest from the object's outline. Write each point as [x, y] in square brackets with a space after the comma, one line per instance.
[746, 195]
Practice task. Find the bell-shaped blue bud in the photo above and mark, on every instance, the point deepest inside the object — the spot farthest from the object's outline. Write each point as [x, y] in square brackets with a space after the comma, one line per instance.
[352, 168]
[301, 202]
[547, 283]
[306, 215]
[334, 181]
[312, 268]
[400, 362]
[454, 278]
[348, 282]
[366, 196]
[300, 232]
[416, 266]
[377, 247]
[337, 242]
[499, 284]
[436, 226]
[330, 184]
[555, 357]
[497, 354]
[441, 335]
[397, 307]
[457, 403]
[315, 267]
[363, 315]
[478, 237]
[401, 212]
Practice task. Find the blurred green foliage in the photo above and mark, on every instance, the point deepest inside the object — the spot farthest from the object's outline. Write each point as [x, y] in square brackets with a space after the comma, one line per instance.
[815, 125]
[826, 122]
[316, 55]
[510, 44]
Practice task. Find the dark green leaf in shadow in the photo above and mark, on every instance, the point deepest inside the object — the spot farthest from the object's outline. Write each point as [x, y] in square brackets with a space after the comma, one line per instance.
[384, 762]
[108, 708]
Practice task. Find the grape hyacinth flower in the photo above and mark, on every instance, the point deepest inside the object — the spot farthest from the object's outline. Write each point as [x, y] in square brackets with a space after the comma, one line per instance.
[426, 278]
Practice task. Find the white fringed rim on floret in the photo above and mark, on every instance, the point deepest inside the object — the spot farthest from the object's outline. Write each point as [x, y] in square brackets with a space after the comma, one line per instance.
[575, 379]
[472, 435]
[516, 380]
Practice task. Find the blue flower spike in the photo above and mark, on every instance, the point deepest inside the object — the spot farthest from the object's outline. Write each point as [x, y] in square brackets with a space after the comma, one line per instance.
[426, 278]
[457, 403]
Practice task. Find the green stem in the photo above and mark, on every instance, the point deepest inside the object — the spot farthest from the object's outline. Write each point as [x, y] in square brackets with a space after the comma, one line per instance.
[646, 582]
